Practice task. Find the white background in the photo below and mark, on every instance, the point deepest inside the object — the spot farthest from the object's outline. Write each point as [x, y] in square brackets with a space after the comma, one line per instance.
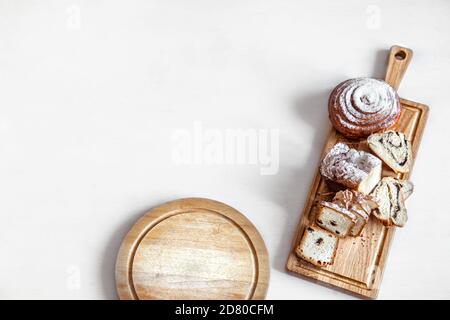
[92, 91]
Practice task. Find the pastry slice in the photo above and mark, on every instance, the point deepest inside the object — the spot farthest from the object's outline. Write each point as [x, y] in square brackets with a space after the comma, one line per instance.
[390, 195]
[359, 204]
[361, 220]
[393, 148]
[406, 187]
[336, 219]
[317, 246]
[354, 200]
[354, 169]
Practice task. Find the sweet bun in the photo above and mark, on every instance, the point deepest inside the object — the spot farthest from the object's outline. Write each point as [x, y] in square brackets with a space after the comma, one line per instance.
[359, 107]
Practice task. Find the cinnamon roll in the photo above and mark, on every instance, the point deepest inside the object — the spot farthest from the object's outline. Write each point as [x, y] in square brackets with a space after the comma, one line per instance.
[359, 107]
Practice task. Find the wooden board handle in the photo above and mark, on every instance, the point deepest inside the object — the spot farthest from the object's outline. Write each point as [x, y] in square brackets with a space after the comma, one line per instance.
[399, 58]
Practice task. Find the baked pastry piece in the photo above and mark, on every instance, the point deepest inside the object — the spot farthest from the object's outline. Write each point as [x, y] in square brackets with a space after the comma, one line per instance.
[336, 219]
[362, 219]
[390, 195]
[359, 204]
[361, 106]
[317, 246]
[354, 200]
[354, 169]
[406, 186]
[393, 148]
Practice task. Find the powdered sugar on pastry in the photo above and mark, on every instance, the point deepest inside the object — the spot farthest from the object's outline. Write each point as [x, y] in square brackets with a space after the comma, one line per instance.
[352, 168]
[361, 106]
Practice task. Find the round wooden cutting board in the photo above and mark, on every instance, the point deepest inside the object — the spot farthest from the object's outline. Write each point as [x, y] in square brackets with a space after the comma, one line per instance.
[192, 249]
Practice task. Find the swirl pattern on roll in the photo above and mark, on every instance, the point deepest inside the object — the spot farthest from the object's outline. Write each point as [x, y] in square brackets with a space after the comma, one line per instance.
[359, 107]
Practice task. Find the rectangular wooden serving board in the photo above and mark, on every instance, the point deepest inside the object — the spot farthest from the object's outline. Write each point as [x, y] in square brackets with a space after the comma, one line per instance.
[359, 262]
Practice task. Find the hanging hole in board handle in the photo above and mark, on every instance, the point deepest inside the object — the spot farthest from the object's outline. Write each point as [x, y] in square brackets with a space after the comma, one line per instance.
[400, 55]
[399, 58]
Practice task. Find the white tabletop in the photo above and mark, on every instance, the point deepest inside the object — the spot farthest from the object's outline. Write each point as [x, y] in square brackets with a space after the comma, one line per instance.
[108, 109]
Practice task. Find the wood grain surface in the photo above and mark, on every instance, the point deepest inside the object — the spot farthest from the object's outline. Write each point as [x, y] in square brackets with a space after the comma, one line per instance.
[360, 261]
[398, 61]
[192, 249]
